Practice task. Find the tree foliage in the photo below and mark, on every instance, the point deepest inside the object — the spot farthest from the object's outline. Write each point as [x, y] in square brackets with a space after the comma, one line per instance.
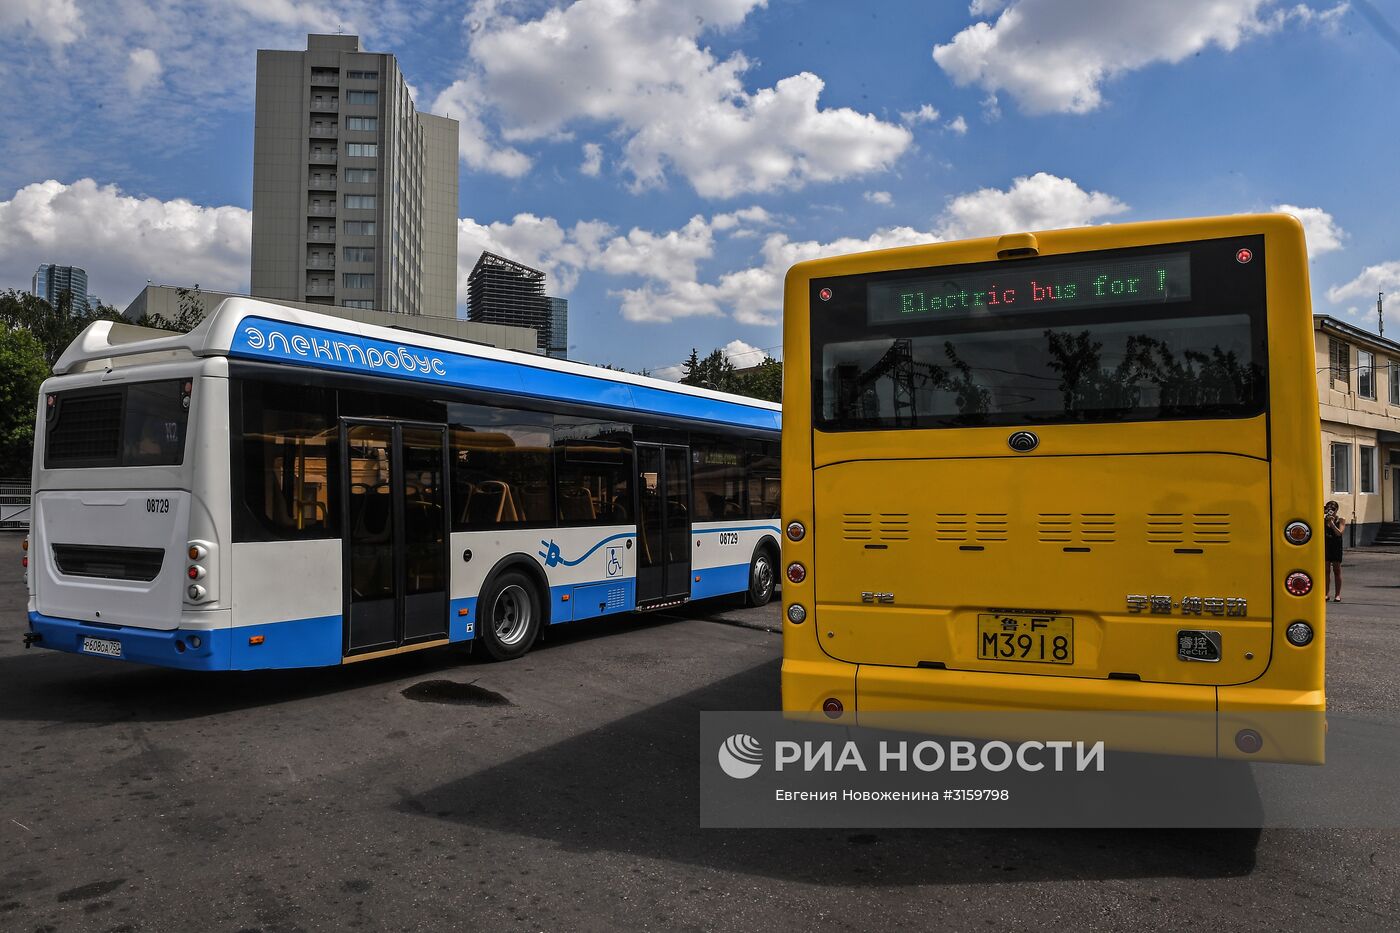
[23, 367]
[764, 381]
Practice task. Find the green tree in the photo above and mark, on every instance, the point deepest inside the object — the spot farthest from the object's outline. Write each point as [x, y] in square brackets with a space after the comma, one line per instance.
[23, 367]
[54, 327]
[764, 381]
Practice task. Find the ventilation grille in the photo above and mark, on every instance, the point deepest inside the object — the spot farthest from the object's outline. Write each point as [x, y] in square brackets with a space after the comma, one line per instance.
[617, 597]
[974, 527]
[113, 563]
[1077, 527]
[1196, 528]
[875, 526]
[88, 427]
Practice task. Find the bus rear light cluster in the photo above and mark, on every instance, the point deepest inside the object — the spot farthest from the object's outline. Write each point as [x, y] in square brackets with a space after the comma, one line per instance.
[1297, 532]
[196, 571]
[796, 573]
[833, 708]
[797, 613]
[1298, 583]
[24, 546]
[795, 531]
[186, 390]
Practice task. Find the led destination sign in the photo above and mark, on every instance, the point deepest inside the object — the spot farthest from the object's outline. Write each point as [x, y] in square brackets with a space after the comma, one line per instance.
[1011, 289]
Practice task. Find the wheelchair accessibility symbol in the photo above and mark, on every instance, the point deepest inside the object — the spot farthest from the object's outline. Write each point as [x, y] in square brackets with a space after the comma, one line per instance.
[614, 561]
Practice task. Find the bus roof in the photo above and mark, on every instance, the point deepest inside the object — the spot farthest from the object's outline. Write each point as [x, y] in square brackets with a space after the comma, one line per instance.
[245, 328]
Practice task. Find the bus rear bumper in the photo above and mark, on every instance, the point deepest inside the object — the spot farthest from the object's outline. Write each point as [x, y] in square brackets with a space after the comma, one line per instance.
[165, 648]
[1180, 719]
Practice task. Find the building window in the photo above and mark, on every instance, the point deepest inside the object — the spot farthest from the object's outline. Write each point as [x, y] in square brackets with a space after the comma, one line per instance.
[363, 123]
[362, 150]
[360, 176]
[1365, 374]
[359, 254]
[1368, 469]
[1393, 378]
[358, 303]
[362, 75]
[364, 202]
[357, 280]
[1341, 468]
[362, 97]
[1339, 359]
[359, 228]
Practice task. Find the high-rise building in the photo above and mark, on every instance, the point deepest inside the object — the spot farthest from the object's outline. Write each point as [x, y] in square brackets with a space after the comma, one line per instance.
[354, 190]
[50, 282]
[558, 346]
[503, 291]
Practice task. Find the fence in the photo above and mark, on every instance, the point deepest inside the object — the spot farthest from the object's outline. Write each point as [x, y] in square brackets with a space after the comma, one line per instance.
[14, 504]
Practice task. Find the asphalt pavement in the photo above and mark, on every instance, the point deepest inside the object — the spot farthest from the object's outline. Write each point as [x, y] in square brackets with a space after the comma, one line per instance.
[436, 791]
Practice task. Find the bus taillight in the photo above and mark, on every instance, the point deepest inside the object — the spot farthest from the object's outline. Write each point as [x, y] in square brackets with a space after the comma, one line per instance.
[833, 708]
[796, 573]
[1297, 532]
[1298, 583]
[796, 531]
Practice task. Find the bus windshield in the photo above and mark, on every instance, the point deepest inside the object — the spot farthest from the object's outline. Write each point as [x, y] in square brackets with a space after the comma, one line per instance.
[1170, 332]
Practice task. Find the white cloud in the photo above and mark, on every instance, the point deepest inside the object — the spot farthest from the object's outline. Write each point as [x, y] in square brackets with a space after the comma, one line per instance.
[670, 263]
[1323, 234]
[55, 22]
[925, 114]
[592, 160]
[123, 240]
[742, 354]
[883, 198]
[143, 69]
[638, 67]
[1382, 277]
[1038, 202]
[957, 125]
[1055, 55]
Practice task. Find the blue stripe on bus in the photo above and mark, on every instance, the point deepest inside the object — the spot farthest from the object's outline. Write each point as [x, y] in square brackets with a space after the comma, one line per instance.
[719, 581]
[284, 342]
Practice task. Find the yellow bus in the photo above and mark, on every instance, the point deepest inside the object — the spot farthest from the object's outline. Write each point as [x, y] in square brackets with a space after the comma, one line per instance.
[1075, 470]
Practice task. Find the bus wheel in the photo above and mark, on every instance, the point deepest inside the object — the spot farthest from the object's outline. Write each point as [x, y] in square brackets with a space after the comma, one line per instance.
[509, 618]
[762, 576]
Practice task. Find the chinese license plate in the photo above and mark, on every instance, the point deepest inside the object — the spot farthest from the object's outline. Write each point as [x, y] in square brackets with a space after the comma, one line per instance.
[1039, 639]
[103, 646]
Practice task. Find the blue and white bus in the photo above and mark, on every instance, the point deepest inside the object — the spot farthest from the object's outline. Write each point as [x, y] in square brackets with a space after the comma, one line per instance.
[279, 488]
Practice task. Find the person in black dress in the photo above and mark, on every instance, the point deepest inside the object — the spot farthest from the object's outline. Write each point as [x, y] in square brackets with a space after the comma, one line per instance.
[1332, 527]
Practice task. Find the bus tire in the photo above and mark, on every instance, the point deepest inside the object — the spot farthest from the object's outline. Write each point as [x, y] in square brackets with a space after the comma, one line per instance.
[509, 619]
[763, 576]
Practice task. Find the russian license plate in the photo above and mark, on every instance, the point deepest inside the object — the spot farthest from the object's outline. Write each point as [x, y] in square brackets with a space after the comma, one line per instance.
[1014, 637]
[103, 646]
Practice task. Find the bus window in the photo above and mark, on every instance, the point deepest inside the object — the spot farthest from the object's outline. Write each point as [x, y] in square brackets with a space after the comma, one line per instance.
[501, 470]
[764, 481]
[285, 461]
[593, 470]
[717, 472]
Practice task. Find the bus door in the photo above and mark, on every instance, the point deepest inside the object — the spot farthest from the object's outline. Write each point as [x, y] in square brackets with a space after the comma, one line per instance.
[396, 534]
[663, 523]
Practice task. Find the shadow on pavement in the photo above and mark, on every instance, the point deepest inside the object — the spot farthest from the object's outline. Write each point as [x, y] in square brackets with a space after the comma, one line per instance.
[51, 686]
[632, 787]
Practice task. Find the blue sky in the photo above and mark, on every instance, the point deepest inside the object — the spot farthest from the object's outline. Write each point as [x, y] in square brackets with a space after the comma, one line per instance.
[665, 161]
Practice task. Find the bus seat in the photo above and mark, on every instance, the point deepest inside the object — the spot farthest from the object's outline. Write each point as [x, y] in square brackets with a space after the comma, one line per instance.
[576, 504]
[534, 503]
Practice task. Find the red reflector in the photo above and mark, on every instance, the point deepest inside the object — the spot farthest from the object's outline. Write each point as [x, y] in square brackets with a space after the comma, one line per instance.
[833, 708]
[194, 573]
[24, 561]
[1298, 583]
[796, 573]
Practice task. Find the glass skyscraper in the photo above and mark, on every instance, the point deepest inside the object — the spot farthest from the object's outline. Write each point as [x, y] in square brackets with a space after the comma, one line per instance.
[51, 281]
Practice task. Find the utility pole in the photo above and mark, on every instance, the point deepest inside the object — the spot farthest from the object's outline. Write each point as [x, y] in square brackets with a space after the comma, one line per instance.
[1380, 312]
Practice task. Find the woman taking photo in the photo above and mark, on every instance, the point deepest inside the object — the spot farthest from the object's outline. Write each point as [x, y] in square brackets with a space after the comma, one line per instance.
[1332, 526]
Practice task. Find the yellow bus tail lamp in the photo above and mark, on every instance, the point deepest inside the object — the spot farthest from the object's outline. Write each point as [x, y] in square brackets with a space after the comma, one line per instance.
[795, 531]
[1297, 532]
[796, 573]
[1299, 634]
[833, 708]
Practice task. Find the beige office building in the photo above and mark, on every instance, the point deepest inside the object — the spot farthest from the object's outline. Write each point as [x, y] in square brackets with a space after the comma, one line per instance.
[354, 190]
[1358, 388]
